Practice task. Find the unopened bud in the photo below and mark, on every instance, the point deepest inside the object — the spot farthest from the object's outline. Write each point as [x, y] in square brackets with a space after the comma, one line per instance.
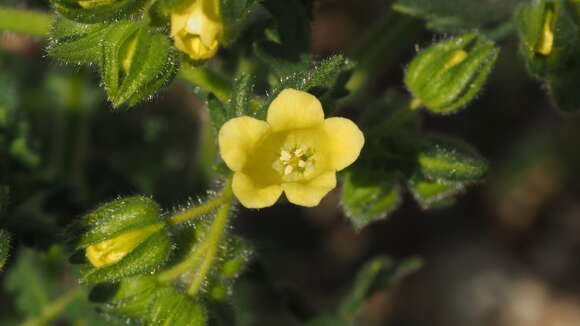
[448, 75]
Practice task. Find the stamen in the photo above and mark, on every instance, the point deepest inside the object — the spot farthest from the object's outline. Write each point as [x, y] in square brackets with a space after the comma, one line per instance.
[299, 152]
[301, 163]
[288, 170]
[285, 156]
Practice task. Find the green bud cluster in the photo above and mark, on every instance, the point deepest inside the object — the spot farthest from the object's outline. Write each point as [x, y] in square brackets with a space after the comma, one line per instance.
[123, 238]
[448, 75]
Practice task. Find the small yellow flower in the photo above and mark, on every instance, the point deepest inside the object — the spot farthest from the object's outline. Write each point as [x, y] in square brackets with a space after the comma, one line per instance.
[196, 28]
[110, 251]
[295, 151]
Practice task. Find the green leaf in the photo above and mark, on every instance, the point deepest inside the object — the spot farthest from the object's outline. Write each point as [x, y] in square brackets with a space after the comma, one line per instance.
[242, 93]
[76, 42]
[29, 282]
[458, 15]
[4, 248]
[441, 158]
[378, 274]
[96, 11]
[368, 196]
[321, 80]
[234, 14]
[431, 193]
[218, 112]
[174, 308]
[130, 298]
[562, 85]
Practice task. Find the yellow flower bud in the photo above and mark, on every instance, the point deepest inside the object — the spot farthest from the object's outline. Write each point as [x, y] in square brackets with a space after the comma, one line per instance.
[89, 4]
[197, 28]
[546, 42]
[110, 251]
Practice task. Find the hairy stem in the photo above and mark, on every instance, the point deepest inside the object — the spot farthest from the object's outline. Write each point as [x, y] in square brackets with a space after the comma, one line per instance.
[202, 254]
[197, 211]
[212, 243]
[25, 21]
[50, 312]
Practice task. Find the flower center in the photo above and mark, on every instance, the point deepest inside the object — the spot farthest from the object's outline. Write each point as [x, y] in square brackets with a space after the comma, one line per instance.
[295, 163]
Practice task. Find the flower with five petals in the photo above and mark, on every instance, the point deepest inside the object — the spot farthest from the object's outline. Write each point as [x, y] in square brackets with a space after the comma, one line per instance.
[295, 151]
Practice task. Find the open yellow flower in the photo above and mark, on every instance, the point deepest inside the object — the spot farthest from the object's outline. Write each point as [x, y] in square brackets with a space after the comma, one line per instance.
[196, 28]
[296, 151]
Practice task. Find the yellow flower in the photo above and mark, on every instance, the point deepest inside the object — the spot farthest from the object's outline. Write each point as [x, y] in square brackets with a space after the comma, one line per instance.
[196, 28]
[295, 151]
[110, 251]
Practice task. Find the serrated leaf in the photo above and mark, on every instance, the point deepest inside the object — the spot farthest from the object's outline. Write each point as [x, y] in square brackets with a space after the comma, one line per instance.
[175, 309]
[451, 160]
[368, 197]
[4, 247]
[379, 273]
[429, 193]
[84, 49]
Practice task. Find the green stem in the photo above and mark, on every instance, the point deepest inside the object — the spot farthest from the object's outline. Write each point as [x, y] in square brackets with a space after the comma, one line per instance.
[203, 254]
[401, 115]
[25, 21]
[50, 312]
[197, 211]
[208, 80]
[212, 243]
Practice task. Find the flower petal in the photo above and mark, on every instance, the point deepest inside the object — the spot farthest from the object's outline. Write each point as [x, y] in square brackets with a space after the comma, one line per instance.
[310, 194]
[345, 142]
[252, 194]
[179, 18]
[238, 138]
[293, 109]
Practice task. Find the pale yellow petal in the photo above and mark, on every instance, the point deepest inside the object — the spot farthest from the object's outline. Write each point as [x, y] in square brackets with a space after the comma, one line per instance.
[238, 138]
[293, 109]
[252, 194]
[345, 141]
[180, 16]
[310, 193]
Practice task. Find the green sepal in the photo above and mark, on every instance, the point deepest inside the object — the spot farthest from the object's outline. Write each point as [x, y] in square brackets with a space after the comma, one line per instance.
[431, 193]
[377, 274]
[174, 308]
[444, 86]
[443, 158]
[76, 42]
[109, 10]
[146, 257]
[153, 62]
[323, 80]
[368, 196]
[237, 105]
[530, 20]
[117, 217]
[4, 247]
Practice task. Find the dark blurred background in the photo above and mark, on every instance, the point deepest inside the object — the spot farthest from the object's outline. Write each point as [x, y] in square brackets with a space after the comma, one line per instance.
[505, 254]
